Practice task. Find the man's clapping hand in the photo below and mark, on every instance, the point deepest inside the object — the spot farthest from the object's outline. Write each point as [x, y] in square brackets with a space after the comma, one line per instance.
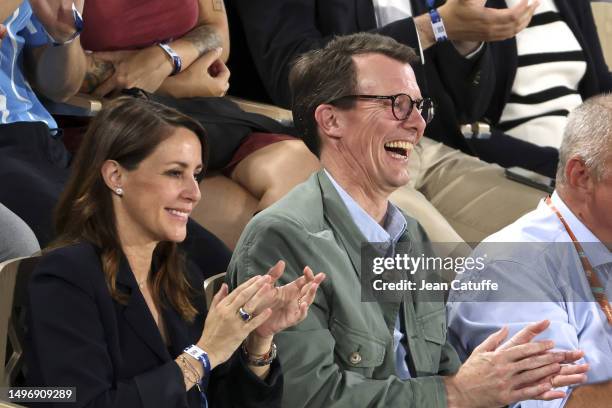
[499, 374]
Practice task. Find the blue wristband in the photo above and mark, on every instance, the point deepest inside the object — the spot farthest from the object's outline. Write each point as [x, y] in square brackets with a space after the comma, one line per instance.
[199, 354]
[177, 62]
[437, 24]
[78, 29]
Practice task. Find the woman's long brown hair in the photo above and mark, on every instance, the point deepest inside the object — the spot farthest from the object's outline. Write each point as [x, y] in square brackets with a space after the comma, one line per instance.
[126, 130]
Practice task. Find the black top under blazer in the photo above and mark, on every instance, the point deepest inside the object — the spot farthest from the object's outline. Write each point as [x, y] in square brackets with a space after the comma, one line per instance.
[113, 353]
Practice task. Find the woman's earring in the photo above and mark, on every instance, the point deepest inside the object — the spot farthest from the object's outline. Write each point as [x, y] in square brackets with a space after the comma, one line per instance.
[119, 191]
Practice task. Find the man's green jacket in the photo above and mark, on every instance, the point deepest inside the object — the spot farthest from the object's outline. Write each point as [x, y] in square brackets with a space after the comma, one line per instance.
[342, 354]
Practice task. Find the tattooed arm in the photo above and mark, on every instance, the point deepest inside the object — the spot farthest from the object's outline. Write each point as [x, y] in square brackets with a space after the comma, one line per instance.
[98, 71]
[147, 68]
[212, 31]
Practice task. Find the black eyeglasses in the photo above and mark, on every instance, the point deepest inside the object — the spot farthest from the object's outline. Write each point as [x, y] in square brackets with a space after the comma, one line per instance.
[401, 105]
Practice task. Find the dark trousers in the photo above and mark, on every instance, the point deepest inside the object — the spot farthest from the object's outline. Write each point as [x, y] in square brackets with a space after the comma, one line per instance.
[508, 151]
[34, 167]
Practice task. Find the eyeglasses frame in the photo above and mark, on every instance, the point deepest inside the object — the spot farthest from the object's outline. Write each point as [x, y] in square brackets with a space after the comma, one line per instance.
[418, 103]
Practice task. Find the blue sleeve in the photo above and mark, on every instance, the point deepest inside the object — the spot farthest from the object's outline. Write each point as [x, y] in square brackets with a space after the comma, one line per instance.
[470, 323]
[34, 33]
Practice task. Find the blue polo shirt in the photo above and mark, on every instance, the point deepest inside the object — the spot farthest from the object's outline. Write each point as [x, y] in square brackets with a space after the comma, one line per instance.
[18, 102]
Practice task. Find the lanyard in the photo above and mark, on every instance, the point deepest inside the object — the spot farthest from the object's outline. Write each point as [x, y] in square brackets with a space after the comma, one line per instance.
[596, 286]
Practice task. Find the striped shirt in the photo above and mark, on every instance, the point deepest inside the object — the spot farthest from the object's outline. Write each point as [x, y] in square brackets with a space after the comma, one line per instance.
[18, 102]
[551, 64]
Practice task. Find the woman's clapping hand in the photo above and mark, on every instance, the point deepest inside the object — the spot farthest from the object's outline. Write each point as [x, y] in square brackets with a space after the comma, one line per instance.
[289, 303]
[256, 307]
[225, 329]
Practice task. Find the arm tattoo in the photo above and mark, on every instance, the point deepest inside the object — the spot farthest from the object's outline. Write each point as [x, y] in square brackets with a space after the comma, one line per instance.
[203, 38]
[98, 72]
[217, 5]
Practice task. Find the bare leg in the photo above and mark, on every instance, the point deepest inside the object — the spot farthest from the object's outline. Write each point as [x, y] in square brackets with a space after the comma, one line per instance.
[269, 173]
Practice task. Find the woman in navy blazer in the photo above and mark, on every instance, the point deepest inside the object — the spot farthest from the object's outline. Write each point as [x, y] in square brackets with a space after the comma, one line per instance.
[115, 312]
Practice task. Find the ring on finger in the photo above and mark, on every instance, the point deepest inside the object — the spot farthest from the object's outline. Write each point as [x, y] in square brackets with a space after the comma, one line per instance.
[552, 382]
[300, 301]
[244, 315]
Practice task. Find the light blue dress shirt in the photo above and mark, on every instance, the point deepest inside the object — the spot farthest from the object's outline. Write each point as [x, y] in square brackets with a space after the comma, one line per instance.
[574, 324]
[394, 227]
[18, 102]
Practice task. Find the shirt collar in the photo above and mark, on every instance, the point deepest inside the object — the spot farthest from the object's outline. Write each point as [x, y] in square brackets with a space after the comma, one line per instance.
[394, 225]
[597, 253]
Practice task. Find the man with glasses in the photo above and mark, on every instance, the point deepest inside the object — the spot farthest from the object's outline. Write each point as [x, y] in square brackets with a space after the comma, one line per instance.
[357, 103]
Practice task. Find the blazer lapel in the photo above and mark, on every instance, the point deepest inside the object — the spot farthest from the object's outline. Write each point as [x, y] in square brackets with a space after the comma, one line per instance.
[137, 313]
[178, 333]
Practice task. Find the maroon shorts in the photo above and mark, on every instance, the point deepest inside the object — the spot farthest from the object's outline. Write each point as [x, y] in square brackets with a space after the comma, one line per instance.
[251, 144]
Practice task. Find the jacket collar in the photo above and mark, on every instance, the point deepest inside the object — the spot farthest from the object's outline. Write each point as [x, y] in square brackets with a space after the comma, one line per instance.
[337, 215]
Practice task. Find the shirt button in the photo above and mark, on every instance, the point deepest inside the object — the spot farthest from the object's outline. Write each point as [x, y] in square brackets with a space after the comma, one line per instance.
[355, 358]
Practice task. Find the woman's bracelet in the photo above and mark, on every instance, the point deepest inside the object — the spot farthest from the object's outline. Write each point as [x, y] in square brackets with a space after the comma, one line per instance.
[188, 370]
[260, 360]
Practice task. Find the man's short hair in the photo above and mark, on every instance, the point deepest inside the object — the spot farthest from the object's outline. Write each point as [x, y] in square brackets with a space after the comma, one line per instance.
[324, 75]
[588, 135]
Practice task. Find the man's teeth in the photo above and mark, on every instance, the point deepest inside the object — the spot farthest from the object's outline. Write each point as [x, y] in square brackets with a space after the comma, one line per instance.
[179, 213]
[398, 156]
[400, 145]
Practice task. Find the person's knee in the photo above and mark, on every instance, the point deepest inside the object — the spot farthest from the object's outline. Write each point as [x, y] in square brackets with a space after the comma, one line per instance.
[17, 238]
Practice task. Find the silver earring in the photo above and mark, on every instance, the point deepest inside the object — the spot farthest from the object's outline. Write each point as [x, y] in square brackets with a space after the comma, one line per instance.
[119, 191]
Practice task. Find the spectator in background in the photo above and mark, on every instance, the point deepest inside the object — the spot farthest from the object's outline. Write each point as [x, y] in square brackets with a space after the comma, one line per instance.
[116, 291]
[541, 74]
[562, 271]
[17, 239]
[350, 353]
[125, 39]
[34, 163]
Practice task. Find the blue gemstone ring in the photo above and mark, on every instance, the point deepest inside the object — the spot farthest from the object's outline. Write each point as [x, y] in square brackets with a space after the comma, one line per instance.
[244, 315]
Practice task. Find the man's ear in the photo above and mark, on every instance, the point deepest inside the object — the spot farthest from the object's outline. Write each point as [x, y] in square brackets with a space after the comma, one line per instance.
[329, 121]
[112, 173]
[579, 176]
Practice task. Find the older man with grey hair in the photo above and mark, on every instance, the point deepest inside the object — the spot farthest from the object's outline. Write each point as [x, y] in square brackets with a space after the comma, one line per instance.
[563, 268]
